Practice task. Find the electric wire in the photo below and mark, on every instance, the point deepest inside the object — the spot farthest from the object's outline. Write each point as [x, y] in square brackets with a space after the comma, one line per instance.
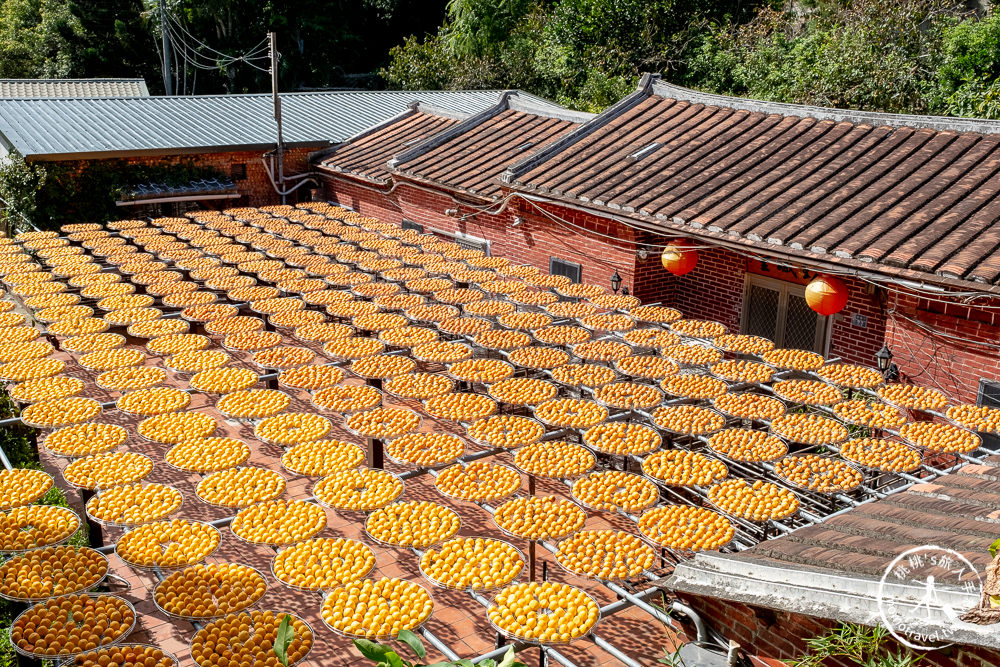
[193, 55]
[494, 207]
[260, 47]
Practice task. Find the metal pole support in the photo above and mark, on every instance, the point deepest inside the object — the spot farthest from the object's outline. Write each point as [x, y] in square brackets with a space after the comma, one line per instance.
[95, 534]
[376, 453]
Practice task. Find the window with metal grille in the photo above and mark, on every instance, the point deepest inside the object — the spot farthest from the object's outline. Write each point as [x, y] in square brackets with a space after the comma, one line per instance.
[762, 312]
[560, 267]
[989, 396]
[409, 224]
[777, 310]
[801, 324]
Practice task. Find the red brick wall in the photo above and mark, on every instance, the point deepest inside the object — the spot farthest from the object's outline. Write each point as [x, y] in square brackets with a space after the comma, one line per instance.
[713, 290]
[534, 241]
[936, 358]
[770, 636]
[539, 238]
[256, 188]
[851, 341]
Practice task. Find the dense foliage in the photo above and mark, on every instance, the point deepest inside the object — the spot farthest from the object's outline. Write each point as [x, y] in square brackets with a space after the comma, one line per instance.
[52, 194]
[323, 42]
[906, 56]
[911, 56]
[38, 38]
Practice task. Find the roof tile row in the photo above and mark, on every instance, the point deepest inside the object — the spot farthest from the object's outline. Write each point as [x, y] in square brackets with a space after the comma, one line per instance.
[924, 197]
[888, 192]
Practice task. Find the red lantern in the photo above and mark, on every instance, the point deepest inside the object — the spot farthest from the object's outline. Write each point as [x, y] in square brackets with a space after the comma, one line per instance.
[679, 257]
[827, 295]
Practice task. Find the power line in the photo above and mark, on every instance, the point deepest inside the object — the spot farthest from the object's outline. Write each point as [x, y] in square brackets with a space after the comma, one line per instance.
[257, 48]
[198, 59]
[191, 48]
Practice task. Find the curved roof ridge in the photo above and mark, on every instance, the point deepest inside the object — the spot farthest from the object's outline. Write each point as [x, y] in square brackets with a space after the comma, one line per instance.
[873, 118]
[515, 102]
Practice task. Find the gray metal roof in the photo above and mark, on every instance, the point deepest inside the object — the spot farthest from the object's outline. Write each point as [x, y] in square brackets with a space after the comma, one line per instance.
[73, 88]
[50, 129]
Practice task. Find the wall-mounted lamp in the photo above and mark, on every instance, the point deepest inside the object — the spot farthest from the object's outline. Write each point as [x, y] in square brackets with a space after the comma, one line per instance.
[625, 291]
[616, 281]
[451, 211]
[642, 254]
[889, 370]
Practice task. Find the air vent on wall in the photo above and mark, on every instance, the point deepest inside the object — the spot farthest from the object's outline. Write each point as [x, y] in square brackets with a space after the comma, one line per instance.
[560, 267]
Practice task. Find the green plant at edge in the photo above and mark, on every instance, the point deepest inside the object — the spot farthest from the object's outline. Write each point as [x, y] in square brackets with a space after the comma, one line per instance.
[385, 656]
[286, 634]
[859, 644]
[673, 658]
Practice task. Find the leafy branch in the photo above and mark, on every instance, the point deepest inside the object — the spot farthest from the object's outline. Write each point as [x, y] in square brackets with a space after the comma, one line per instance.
[286, 635]
[859, 644]
[386, 656]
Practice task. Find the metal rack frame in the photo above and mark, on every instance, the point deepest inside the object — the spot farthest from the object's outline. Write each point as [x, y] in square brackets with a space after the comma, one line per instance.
[816, 508]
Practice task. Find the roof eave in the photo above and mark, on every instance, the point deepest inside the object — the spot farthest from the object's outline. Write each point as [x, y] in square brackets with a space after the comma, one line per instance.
[154, 152]
[669, 225]
[820, 593]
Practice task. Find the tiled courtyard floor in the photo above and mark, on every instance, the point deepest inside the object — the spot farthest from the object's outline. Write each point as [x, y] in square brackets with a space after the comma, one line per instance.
[458, 620]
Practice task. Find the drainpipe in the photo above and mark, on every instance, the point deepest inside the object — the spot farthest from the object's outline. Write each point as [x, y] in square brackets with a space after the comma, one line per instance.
[277, 183]
[701, 631]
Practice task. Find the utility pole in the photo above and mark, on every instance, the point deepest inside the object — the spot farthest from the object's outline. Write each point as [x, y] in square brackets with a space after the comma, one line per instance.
[168, 83]
[272, 47]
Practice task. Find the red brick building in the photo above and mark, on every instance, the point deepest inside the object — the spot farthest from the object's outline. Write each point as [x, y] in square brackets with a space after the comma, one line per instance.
[232, 135]
[775, 194]
[905, 210]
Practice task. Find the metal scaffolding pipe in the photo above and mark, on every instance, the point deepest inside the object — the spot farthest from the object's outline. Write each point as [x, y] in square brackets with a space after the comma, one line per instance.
[439, 645]
[642, 604]
[614, 651]
[558, 657]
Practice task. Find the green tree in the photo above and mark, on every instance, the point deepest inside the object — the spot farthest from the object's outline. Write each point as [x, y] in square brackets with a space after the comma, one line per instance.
[877, 55]
[38, 38]
[21, 185]
[115, 40]
[969, 74]
[476, 27]
[583, 53]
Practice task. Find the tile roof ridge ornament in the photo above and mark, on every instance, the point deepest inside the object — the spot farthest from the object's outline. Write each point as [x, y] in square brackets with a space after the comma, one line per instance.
[871, 118]
[436, 140]
[643, 90]
[527, 105]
